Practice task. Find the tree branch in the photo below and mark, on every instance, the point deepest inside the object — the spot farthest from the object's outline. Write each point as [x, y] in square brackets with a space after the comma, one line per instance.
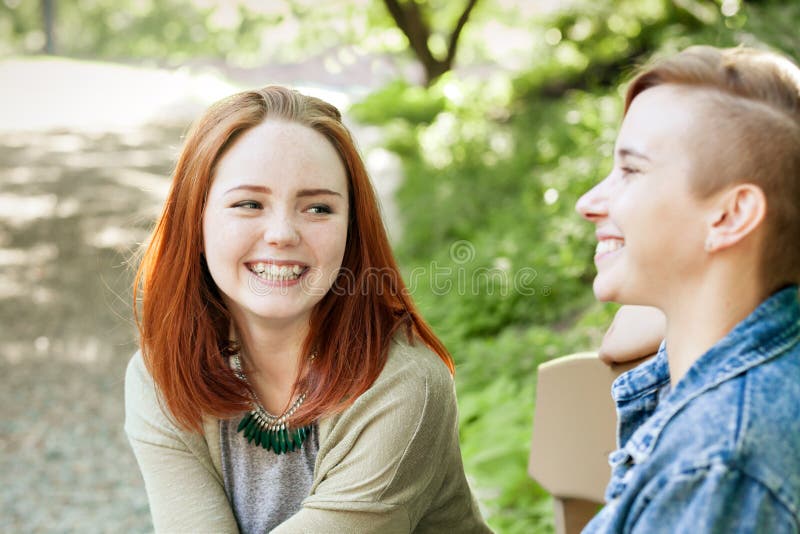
[462, 21]
[409, 19]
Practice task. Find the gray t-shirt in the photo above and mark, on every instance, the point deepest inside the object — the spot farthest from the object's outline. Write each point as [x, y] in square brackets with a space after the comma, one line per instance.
[264, 489]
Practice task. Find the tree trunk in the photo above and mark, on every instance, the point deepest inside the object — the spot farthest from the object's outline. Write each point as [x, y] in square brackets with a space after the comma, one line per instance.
[409, 18]
[48, 23]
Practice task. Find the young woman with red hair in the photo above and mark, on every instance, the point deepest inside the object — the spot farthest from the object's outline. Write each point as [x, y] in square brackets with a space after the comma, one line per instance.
[285, 381]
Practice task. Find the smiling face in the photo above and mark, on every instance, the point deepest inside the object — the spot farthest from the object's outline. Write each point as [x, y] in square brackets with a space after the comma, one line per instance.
[650, 227]
[275, 223]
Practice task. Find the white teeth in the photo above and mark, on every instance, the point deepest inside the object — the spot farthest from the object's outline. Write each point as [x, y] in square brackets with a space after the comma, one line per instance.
[272, 272]
[609, 245]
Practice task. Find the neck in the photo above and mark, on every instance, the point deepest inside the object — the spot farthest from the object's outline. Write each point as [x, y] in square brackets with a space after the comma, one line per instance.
[271, 356]
[698, 317]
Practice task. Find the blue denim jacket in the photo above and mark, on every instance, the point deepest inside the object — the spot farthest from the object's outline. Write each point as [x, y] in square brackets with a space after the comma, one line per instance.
[719, 453]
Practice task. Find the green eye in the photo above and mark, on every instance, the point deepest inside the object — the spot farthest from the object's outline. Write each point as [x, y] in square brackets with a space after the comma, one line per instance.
[320, 209]
[248, 204]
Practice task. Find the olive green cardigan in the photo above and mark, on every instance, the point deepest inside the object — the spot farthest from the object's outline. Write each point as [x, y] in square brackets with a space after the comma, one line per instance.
[389, 463]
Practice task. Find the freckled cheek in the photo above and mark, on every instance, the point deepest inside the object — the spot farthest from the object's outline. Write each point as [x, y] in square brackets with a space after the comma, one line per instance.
[226, 242]
[331, 247]
[332, 254]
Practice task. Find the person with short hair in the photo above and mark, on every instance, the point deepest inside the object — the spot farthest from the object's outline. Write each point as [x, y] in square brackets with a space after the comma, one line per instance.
[281, 385]
[700, 218]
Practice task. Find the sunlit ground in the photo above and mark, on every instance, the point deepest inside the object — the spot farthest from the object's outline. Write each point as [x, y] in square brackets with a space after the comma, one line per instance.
[47, 93]
[72, 208]
[85, 155]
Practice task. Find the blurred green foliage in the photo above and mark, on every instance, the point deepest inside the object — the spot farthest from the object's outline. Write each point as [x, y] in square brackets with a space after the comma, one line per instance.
[493, 167]
[242, 32]
[173, 29]
[410, 103]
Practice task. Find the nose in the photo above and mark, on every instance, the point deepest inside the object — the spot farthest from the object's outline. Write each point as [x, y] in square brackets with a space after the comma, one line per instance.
[593, 205]
[281, 231]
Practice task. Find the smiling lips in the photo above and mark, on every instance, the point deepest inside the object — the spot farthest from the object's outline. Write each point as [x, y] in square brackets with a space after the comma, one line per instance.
[277, 273]
[607, 245]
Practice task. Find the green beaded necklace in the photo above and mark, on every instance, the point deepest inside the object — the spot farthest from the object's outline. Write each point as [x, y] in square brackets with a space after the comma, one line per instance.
[267, 430]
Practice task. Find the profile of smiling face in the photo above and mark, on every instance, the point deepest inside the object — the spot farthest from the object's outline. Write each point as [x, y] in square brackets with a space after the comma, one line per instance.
[275, 223]
[650, 226]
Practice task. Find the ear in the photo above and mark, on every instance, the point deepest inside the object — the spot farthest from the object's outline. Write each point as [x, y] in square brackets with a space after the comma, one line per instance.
[738, 212]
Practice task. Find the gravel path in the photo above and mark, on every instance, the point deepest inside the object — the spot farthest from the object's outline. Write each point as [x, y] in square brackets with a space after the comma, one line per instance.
[73, 206]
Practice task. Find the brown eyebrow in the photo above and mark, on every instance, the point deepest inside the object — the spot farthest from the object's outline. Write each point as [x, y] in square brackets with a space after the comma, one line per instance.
[254, 188]
[301, 193]
[625, 152]
[316, 192]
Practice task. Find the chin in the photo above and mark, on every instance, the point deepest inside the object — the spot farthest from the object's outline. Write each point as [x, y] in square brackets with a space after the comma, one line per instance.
[279, 310]
[603, 292]
[603, 297]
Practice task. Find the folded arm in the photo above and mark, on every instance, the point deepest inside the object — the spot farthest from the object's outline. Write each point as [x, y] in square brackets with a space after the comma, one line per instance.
[636, 332]
[183, 489]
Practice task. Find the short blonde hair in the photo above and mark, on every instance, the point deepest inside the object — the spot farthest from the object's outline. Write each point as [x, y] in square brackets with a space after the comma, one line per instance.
[755, 106]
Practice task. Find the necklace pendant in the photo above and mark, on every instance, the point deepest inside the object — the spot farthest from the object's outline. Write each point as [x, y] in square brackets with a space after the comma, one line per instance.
[266, 430]
[278, 438]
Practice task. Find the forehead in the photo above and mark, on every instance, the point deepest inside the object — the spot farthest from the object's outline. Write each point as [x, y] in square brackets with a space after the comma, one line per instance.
[658, 111]
[664, 118]
[281, 153]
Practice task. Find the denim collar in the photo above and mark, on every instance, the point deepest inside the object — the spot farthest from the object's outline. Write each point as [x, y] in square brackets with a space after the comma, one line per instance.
[764, 334]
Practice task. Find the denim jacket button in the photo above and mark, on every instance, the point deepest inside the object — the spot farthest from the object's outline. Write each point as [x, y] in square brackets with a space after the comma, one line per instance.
[618, 457]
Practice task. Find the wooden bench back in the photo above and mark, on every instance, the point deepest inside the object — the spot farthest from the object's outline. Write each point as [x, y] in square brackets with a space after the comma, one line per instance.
[574, 430]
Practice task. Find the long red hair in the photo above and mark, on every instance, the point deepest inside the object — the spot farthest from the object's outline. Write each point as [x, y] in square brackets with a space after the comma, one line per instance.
[183, 322]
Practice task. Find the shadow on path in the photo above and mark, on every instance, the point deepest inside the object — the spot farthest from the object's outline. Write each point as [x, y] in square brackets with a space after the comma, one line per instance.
[73, 208]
